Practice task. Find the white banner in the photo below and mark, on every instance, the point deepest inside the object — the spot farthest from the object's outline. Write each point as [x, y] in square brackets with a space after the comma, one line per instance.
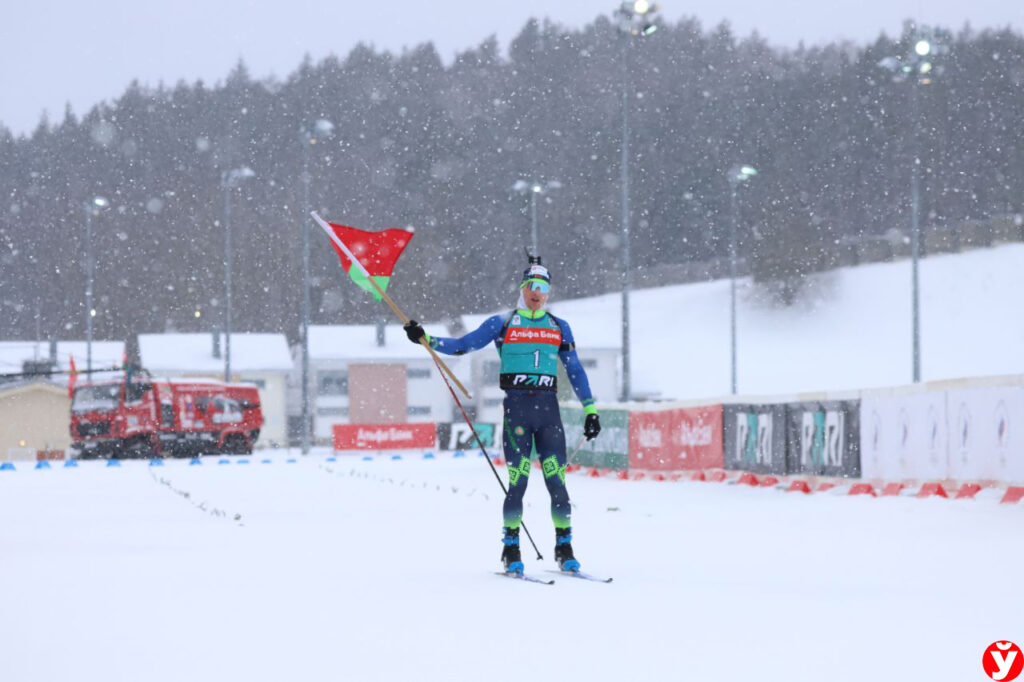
[987, 433]
[904, 436]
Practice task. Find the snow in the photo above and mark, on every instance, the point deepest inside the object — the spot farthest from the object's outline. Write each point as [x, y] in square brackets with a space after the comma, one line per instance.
[850, 331]
[104, 354]
[381, 570]
[250, 352]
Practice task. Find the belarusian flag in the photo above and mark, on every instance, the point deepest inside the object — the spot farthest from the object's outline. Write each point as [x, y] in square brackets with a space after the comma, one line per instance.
[376, 253]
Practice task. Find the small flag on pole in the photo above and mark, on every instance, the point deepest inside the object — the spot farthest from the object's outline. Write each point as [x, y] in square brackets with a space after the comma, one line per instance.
[376, 254]
[72, 377]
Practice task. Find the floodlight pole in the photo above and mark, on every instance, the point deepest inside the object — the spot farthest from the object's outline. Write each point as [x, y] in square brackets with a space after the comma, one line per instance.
[89, 268]
[229, 180]
[915, 234]
[636, 19]
[306, 416]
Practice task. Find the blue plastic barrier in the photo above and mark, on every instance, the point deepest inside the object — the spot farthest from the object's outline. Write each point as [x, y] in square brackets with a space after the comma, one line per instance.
[71, 464]
[331, 459]
[243, 461]
[224, 461]
[428, 455]
[113, 462]
[264, 461]
[42, 464]
[7, 466]
[396, 457]
[367, 458]
[156, 462]
[459, 453]
[291, 461]
[194, 462]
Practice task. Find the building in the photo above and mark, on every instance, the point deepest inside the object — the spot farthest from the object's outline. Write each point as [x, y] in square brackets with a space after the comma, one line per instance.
[33, 417]
[260, 359]
[35, 410]
[368, 374]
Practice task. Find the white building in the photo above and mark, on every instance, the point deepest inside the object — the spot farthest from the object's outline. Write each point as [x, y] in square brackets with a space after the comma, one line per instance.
[260, 359]
[105, 355]
[35, 411]
[368, 374]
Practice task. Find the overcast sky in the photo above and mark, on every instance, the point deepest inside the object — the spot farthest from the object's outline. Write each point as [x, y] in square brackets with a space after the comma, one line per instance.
[58, 51]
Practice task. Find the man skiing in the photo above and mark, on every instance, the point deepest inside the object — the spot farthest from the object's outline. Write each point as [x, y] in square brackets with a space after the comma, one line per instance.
[530, 341]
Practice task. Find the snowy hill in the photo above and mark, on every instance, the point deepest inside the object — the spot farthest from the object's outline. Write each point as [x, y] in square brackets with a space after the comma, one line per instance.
[851, 329]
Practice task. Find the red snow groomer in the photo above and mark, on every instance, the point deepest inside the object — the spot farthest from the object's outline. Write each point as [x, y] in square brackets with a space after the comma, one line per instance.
[147, 417]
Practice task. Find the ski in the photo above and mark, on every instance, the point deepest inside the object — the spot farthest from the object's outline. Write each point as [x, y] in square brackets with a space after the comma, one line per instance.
[582, 576]
[527, 578]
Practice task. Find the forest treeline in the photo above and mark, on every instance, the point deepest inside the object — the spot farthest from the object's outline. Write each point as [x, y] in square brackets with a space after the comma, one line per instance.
[438, 147]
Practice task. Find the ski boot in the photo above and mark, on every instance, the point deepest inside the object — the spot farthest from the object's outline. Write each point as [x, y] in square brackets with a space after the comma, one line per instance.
[563, 550]
[510, 555]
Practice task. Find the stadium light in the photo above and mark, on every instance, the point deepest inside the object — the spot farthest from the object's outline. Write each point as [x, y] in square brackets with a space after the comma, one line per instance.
[638, 18]
[918, 68]
[534, 189]
[737, 176]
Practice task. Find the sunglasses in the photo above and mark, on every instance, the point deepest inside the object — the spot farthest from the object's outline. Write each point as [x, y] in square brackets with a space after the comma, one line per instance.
[537, 285]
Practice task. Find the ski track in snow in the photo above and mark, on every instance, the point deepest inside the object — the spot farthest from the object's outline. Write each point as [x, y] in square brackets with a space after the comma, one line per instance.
[383, 570]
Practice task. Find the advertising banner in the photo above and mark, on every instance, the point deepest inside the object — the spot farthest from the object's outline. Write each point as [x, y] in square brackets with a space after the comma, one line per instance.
[458, 436]
[986, 442]
[755, 438]
[676, 439]
[904, 436]
[823, 438]
[610, 450]
[384, 436]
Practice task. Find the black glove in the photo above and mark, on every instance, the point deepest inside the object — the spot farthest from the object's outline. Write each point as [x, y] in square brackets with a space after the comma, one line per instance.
[414, 330]
[591, 427]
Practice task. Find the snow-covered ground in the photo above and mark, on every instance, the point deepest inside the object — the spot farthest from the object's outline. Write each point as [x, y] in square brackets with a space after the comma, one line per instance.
[850, 329]
[381, 570]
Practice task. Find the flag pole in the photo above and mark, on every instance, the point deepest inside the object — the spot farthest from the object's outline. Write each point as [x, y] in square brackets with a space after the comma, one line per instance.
[387, 299]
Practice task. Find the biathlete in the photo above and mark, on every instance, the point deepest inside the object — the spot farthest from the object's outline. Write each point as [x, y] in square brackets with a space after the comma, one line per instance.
[530, 341]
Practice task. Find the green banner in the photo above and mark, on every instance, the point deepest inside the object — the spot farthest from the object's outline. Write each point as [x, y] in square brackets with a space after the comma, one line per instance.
[610, 450]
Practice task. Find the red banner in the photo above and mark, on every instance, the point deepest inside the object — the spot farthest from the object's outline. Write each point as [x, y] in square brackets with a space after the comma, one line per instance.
[676, 439]
[384, 436]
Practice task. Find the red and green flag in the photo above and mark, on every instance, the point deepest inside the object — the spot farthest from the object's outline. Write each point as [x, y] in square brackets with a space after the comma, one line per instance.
[376, 253]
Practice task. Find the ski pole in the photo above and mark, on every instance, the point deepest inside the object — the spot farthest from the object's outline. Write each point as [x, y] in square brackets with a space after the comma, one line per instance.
[487, 456]
[579, 446]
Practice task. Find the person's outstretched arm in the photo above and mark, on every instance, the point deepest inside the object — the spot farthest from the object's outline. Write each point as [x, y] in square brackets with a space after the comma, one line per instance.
[474, 340]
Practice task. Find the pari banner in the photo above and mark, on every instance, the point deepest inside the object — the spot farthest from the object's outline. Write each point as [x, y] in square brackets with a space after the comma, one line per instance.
[676, 439]
[384, 436]
[755, 438]
[823, 438]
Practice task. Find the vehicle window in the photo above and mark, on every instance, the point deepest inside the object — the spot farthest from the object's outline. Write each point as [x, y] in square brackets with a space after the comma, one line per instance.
[99, 398]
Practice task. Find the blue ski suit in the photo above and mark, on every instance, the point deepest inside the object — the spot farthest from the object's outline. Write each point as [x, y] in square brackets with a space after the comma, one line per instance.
[530, 343]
